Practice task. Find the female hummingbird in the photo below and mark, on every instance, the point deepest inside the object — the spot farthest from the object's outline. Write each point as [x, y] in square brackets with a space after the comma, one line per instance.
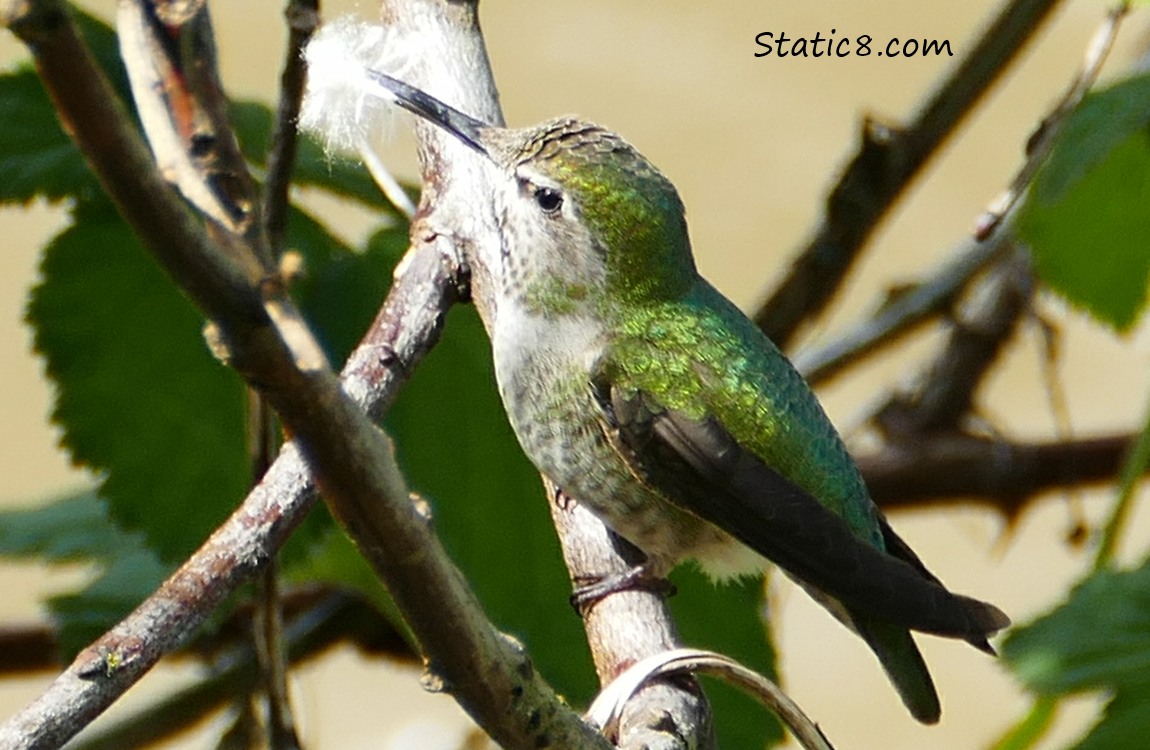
[646, 395]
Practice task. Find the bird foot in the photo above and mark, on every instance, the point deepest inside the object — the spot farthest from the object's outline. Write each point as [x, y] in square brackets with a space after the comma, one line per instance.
[638, 578]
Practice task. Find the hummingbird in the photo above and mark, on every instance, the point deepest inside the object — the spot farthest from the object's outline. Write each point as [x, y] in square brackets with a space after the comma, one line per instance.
[646, 395]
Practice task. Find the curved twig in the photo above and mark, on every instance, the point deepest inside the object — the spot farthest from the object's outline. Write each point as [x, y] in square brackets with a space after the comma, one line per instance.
[608, 706]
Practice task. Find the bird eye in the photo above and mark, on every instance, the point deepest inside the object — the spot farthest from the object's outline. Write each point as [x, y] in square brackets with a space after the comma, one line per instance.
[549, 199]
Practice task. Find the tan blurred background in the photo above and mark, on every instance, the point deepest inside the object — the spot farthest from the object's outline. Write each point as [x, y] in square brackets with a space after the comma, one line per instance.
[753, 144]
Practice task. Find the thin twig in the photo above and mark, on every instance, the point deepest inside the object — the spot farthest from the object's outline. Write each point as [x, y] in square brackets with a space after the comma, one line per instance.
[1134, 465]
[234, 673]
[944, 394]
[608, 706]
[903, 315]
[302, 19]
[1041, 141]
[267, 622]
[34, 647]
[884, 165]
[29, 647]
[271, 652]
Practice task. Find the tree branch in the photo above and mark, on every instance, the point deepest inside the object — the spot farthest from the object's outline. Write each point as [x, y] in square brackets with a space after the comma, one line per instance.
[905, 314]
[626, 627]
[234, 673]
[956, 468]
[169, 51]
[456, 203]
[351, 460]
[28, 647]
[945, 393]
[886, 161]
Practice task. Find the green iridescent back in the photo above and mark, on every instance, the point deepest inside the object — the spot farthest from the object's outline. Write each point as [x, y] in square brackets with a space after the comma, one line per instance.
[700, 355]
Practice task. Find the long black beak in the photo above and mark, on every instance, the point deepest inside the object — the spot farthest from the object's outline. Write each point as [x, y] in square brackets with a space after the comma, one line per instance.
[464, 127]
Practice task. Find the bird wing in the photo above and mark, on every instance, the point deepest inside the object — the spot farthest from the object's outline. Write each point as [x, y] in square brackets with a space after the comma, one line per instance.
[696, 464]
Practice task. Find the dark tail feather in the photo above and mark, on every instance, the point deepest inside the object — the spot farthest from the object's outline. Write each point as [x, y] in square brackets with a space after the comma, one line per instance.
[983, 619]
[904, 665]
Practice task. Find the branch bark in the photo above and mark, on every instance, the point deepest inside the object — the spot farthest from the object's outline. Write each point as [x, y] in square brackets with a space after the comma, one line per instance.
[351, 460]
[456, 203]
[627, 627]
[962, 469]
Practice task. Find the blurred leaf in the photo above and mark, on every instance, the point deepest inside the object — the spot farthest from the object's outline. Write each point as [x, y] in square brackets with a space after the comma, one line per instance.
[727, 618]
[77, 529]
[127, 580]
[1028, 731]
[1099, 639]
[38, 158]
[69, 529]
[1086, 217]
[342, 289]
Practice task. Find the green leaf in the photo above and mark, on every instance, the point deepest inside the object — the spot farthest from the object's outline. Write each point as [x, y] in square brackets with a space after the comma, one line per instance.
[342, 289]
[126, 581]
[1099, 639]
[727, 618]
[1086, 217]
[69, 529]
[139, 397]
[76, 529]
[38, 158]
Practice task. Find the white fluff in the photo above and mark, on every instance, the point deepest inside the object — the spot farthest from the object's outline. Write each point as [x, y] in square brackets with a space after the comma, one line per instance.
[340, 104]
[348, 112]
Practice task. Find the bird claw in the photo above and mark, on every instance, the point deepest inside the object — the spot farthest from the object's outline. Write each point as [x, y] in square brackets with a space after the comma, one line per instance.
[638, 578]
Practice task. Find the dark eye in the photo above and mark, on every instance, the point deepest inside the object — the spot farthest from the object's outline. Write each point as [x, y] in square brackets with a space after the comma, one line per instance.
[549, 199]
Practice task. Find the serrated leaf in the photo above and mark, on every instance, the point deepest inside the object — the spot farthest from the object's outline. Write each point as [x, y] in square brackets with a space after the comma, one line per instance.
[38, 158]
[139, 397]
[69, 529]
[1099, 639]
[75, 529]
[1086, 217]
